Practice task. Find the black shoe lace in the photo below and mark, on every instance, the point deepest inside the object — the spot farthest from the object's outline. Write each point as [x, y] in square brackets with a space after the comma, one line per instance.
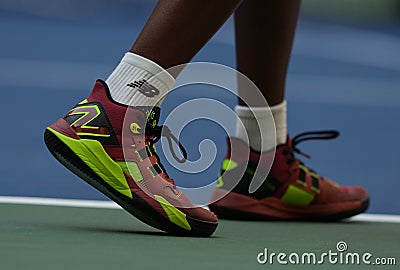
[306, 136]
[164, 131]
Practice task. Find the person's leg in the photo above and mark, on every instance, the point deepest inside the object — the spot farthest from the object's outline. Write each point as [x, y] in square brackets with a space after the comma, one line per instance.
[178, 29]
[122, 162]
[174, 33]
[264, 36]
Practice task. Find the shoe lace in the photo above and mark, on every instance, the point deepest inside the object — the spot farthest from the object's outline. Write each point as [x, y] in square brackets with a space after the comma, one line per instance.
[164, 131]
[306, 136]
[153, 135]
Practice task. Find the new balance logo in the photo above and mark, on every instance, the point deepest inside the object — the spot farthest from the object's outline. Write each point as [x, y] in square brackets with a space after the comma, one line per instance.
[85, 120]
[87, 114]
[145, 88]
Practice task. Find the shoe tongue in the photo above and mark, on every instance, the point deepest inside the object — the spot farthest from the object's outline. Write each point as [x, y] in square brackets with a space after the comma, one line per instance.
[152, 114]
[289, 142]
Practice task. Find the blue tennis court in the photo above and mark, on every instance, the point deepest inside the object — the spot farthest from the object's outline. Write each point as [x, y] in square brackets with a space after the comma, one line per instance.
[342, 76]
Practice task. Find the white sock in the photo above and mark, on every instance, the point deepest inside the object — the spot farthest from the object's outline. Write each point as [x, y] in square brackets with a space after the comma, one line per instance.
[258, 133]
[138, 81]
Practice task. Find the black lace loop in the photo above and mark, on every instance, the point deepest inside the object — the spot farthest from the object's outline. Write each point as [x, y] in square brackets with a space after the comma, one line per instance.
[312, 135]
[164, 131]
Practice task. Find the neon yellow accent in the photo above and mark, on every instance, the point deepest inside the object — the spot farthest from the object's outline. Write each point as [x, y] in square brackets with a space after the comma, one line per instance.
[315, 189]
[301, 182]
[228, 164]
[314, 174]
[150, 118]
[302, 167]
[150, 114]
[135, 128]
[153, 123]
[175, 215]
[148, 149]
[83, 101]
[92, 153]
[220, 182]
[84, 114]
[131, 168]
[92, 134]
[297, 196]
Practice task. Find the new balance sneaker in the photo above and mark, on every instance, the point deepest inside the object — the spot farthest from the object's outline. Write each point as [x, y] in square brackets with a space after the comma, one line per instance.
[290, 191]
[111, 146]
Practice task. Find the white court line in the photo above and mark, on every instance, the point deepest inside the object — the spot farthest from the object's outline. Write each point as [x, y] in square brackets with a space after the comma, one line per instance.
[59, 202]
[112, 205]
[376, 218]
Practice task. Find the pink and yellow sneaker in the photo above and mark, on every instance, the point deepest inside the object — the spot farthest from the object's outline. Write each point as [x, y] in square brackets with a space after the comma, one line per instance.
[122, 162]
[291, 191]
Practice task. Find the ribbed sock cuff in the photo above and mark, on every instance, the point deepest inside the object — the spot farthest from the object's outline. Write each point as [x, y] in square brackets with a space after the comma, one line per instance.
[259, 123]
[138, 81]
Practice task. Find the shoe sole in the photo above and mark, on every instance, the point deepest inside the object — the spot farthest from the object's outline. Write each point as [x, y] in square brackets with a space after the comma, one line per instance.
[137, 205]
[236, 206]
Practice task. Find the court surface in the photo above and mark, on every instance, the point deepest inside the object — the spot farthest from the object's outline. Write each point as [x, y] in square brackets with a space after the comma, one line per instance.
[342, 77]
[60, 237]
